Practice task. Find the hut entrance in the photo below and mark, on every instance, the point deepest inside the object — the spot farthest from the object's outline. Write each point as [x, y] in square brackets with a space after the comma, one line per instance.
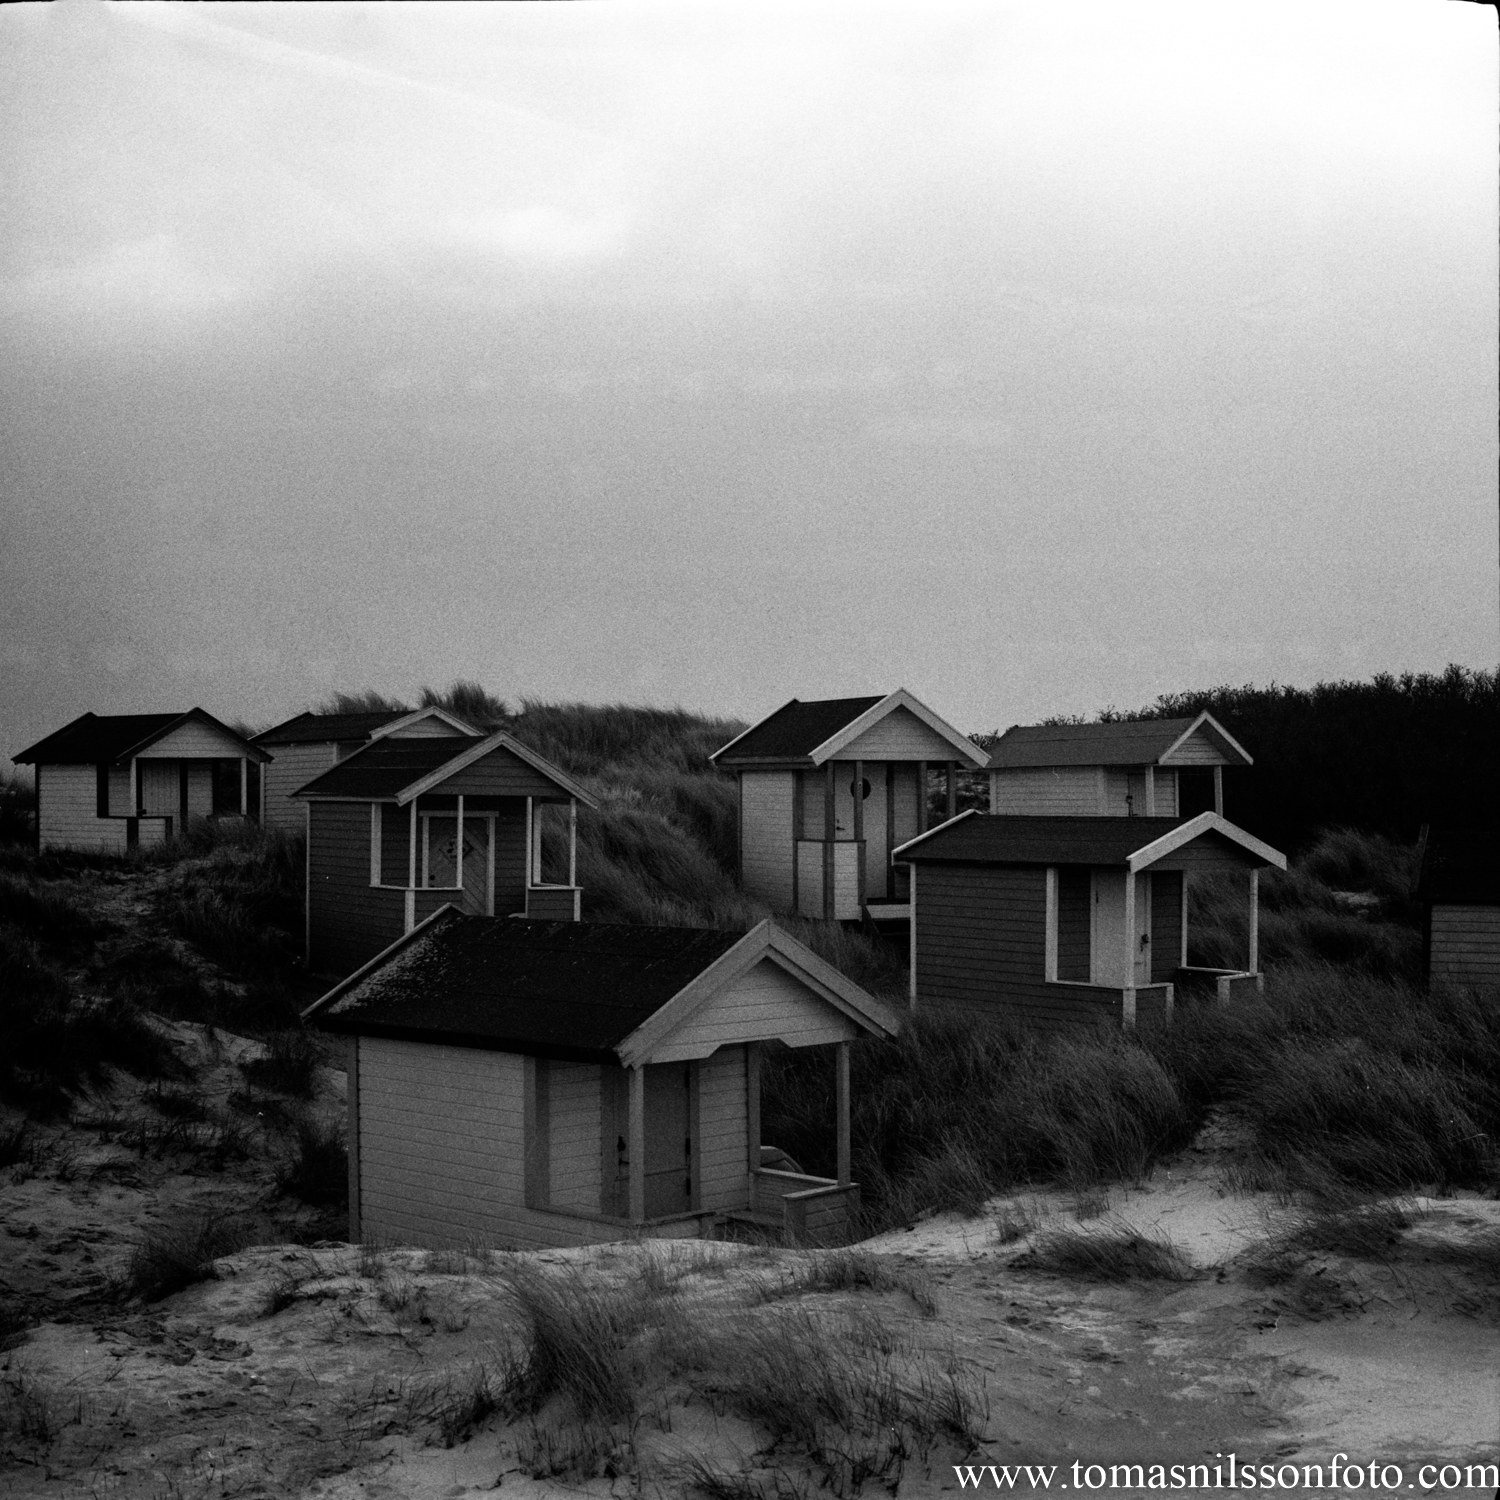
[669, 1143]
[441, 853]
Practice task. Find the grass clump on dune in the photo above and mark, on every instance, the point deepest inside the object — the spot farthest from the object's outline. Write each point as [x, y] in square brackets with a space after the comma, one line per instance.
[1111, 1252]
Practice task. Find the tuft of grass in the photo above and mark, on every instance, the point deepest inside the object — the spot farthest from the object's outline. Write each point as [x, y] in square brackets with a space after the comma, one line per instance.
[46, 913]
[15, 1143]
[1114, 1253]
[29, 1411]
[290, 1064]
[849, 1270]
[1014, 1221]
[316, 1166]
[175, 1103]
[179, 1254]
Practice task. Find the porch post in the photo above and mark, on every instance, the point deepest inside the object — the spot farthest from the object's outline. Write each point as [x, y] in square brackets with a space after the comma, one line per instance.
[841, 1089]
[911, 939]
[1150, 791]
[1127, 996]
[1254, 964]
[1182, 962]
[830, 822]
[1219, 790]
[458, 879]
[572, 840]
[637, 1144]
[857, 792]
[411, 847]
[244, 786]
[530, 820]
[752, 1119]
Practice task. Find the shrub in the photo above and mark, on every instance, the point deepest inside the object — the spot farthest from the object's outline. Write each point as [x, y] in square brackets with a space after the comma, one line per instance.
[17, 809]
[1114, 1253]
[57, 1043]
[290, 1065]
[179, 1254]
[316, 1168]
[848, 1270]
[48, 915]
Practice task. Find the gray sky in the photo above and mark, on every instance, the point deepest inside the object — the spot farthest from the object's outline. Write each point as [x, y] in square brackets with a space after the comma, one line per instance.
[1032, 356]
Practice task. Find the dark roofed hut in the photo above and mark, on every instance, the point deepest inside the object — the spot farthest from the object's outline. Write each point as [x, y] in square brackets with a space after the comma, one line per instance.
[307, 744]
[113, 782]
[1172, 768]
[533, 1084]
[1049, 922]
[1459, 888]
[808, 844]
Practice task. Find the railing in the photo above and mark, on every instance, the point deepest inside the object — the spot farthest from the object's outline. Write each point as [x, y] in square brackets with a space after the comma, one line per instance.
[848, 859]
[813, 1210]
[1227, 984]
[553, 903]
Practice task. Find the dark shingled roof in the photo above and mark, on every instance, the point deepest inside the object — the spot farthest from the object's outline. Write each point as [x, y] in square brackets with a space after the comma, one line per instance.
[382, 769]
[92, 738]
[314, 729]
[1135, 742]
[1041, 841]
[796, 729]
[1460, 865]
[571, 990]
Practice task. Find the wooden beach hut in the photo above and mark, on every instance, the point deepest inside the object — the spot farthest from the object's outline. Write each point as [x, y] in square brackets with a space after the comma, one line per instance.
[525, 1084]
[1459, 890]
[1151, 768]
[827, 789]
[1053, 921]
[306, 745]
[409, 824]
[113, 782]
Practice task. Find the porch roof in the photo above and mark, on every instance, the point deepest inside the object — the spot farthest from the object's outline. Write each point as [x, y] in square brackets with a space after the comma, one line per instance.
[94, 738]
[1135, 843]
[582, 991]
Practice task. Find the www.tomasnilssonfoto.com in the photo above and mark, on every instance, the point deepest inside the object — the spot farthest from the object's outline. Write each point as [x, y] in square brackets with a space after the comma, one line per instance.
[1229, 1472]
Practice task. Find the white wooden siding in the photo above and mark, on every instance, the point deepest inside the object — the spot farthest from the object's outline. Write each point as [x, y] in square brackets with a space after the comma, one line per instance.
[426, 729]
[1045, 791]
[201, 790]
[1466, 944]
[573, 1123]
[723, 1125]
[293, 767]
[1166, 793]
[900, 735]
[67, 803]
[905, 798]
[766, 835]
[814, 810]
[441, 1145]
[121, 805]
[762, 1004]
[195, 739]
[1197, 750]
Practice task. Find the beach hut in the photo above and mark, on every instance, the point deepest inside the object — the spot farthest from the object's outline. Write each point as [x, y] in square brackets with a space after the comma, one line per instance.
[1151, 768]
[406, 825]
[526, 1084]
[1048, 922]
[827, 789]
[1459, 889]
[308, 744]
[113, 782]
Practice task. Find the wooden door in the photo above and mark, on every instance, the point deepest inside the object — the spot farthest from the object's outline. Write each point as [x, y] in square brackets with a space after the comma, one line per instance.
[1107, 938]
[669, 1143]
[442, 860]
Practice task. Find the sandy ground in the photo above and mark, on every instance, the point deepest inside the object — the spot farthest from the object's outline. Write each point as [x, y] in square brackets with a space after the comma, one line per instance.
[315, 1370]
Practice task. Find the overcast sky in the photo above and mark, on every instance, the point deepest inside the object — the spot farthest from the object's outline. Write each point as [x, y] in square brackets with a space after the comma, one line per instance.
[1032, 356]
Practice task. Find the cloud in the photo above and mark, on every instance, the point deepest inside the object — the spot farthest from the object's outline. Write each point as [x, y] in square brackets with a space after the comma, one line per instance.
[153, 277]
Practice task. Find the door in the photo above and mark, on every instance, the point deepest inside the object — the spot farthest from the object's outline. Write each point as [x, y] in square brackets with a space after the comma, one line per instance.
[441, 863]
[669, 1143]
[877, 849]
[1108, 931]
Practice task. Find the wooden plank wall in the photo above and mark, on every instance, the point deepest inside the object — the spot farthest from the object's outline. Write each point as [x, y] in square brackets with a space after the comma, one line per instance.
[349, 920]
[766, 852]
[1046, 791]
[293, 767]
[723, 1120]
[195, 739]
[762, 1004]
[981, 950]
[1465, 945]
[442, 1136]
[67, 811]
[900, 735]
[1075, 899]
[499, 774]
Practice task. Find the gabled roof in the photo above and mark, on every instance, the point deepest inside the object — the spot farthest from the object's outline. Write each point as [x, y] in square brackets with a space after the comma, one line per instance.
[92, 738]
[589, 992]
[322, 729]
[1133, 843]
[1129, 742]
[808, 734]
[404, 769]
[1460, 865]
